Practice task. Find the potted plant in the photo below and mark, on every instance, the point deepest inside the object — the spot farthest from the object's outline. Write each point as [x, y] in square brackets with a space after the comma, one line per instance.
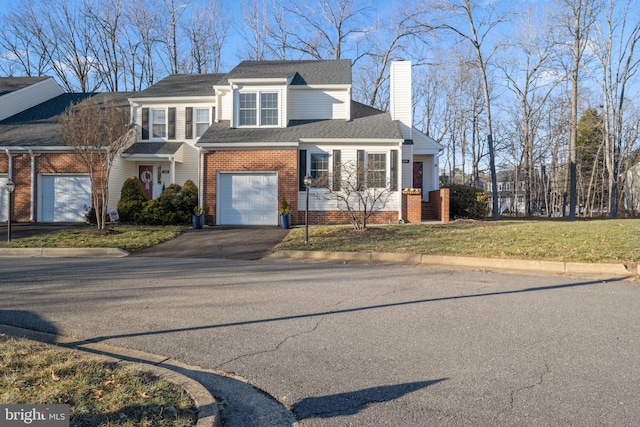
[285, 219]
[198, 217]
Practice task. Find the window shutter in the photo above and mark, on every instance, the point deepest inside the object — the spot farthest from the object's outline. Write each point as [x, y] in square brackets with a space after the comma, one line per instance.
[337, 170]
[188, 125]
[172, 123]
[302, 168]
[145, 123]
[394, 170]
[360, 171]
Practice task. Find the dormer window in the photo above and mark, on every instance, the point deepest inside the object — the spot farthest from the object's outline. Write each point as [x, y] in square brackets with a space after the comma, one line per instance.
[248, 107]
[268, 109]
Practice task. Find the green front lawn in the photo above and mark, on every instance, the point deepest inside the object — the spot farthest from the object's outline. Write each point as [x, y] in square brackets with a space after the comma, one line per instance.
[610, 241]
[130, 238]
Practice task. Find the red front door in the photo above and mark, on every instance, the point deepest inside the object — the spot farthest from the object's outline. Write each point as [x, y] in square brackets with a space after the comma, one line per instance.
[417, 175]
[145, 174]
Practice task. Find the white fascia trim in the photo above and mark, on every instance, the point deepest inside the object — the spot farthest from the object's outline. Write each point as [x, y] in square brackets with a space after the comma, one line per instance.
[172, 100]
[60, 149]
[246, 145]
[340, 86]
[350, 141]
[136, 157]
[264, 81]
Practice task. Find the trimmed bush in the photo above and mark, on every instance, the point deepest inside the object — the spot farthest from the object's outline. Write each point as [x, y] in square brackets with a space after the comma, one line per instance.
[173, 207]
[132, 200]
[466, 201]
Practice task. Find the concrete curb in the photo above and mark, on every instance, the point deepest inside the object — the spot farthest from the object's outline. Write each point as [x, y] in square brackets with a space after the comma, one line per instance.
[522, 266]
[207, 408]
[63, 252]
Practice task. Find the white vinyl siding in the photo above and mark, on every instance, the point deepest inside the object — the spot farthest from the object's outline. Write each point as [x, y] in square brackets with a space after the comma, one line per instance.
[120, 172]
[310, 104]
[348, 157]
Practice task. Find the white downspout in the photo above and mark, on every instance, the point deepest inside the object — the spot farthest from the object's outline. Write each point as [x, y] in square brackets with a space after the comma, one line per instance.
[9, 164]
[399, 183]
[172, 170]
[32, 201]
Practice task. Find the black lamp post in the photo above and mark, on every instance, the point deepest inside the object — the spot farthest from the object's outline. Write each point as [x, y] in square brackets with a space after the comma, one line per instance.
[307, 183]
[10, 187]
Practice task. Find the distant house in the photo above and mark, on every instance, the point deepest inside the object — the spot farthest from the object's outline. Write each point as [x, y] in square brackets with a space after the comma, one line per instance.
[247, 138]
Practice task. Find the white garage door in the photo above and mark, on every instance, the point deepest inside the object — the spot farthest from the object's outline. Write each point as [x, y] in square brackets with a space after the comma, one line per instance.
[64, 198]
[248, 198]
[3, 198]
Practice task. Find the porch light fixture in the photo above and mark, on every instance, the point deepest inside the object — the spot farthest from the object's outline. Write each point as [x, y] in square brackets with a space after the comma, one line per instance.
[10, 187]
[307, 183]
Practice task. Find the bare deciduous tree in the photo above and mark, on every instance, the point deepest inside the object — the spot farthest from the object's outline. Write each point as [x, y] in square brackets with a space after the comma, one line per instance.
[357, 191]
[98, 131]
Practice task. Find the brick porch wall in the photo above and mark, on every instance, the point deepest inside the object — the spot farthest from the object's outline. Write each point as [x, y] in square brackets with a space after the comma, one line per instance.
[440, 200]
[412, 205]
[45, 163]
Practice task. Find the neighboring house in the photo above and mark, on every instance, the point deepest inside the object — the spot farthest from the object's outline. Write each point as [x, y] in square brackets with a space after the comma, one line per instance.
[52, 182]
[18, 94]
[248, 138]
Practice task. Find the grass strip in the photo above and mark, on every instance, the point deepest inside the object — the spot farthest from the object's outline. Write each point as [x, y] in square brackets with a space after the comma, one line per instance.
[99, 393]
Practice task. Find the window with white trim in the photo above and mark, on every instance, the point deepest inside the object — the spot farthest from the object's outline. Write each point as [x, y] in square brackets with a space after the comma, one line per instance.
[319, 170]
[376, 170]
[248, 109]
[202, 121]
[158, 123]
[268, 109]
[258, 109]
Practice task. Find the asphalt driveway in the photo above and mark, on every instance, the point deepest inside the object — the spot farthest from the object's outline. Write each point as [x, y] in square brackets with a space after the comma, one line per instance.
[221, 241]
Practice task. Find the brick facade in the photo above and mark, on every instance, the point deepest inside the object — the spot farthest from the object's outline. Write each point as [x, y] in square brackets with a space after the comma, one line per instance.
[284, 162]
[440, 199]
[45, 163]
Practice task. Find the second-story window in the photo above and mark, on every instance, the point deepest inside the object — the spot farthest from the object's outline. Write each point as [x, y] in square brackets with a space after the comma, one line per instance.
[268, 109]
[202, 121]
[258, 109]
[248, 107]
[159, 123]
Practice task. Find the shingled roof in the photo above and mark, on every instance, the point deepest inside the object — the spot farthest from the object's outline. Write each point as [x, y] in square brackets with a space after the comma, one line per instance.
[38, 126]
[12, 84]
[307, 72]
[179, 85]
[366, 123]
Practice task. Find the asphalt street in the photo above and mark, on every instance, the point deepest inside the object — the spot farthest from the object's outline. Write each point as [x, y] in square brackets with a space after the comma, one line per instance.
[358, 345]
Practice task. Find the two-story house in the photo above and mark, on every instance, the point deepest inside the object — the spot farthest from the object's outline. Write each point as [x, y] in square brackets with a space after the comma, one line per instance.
[249, 137]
